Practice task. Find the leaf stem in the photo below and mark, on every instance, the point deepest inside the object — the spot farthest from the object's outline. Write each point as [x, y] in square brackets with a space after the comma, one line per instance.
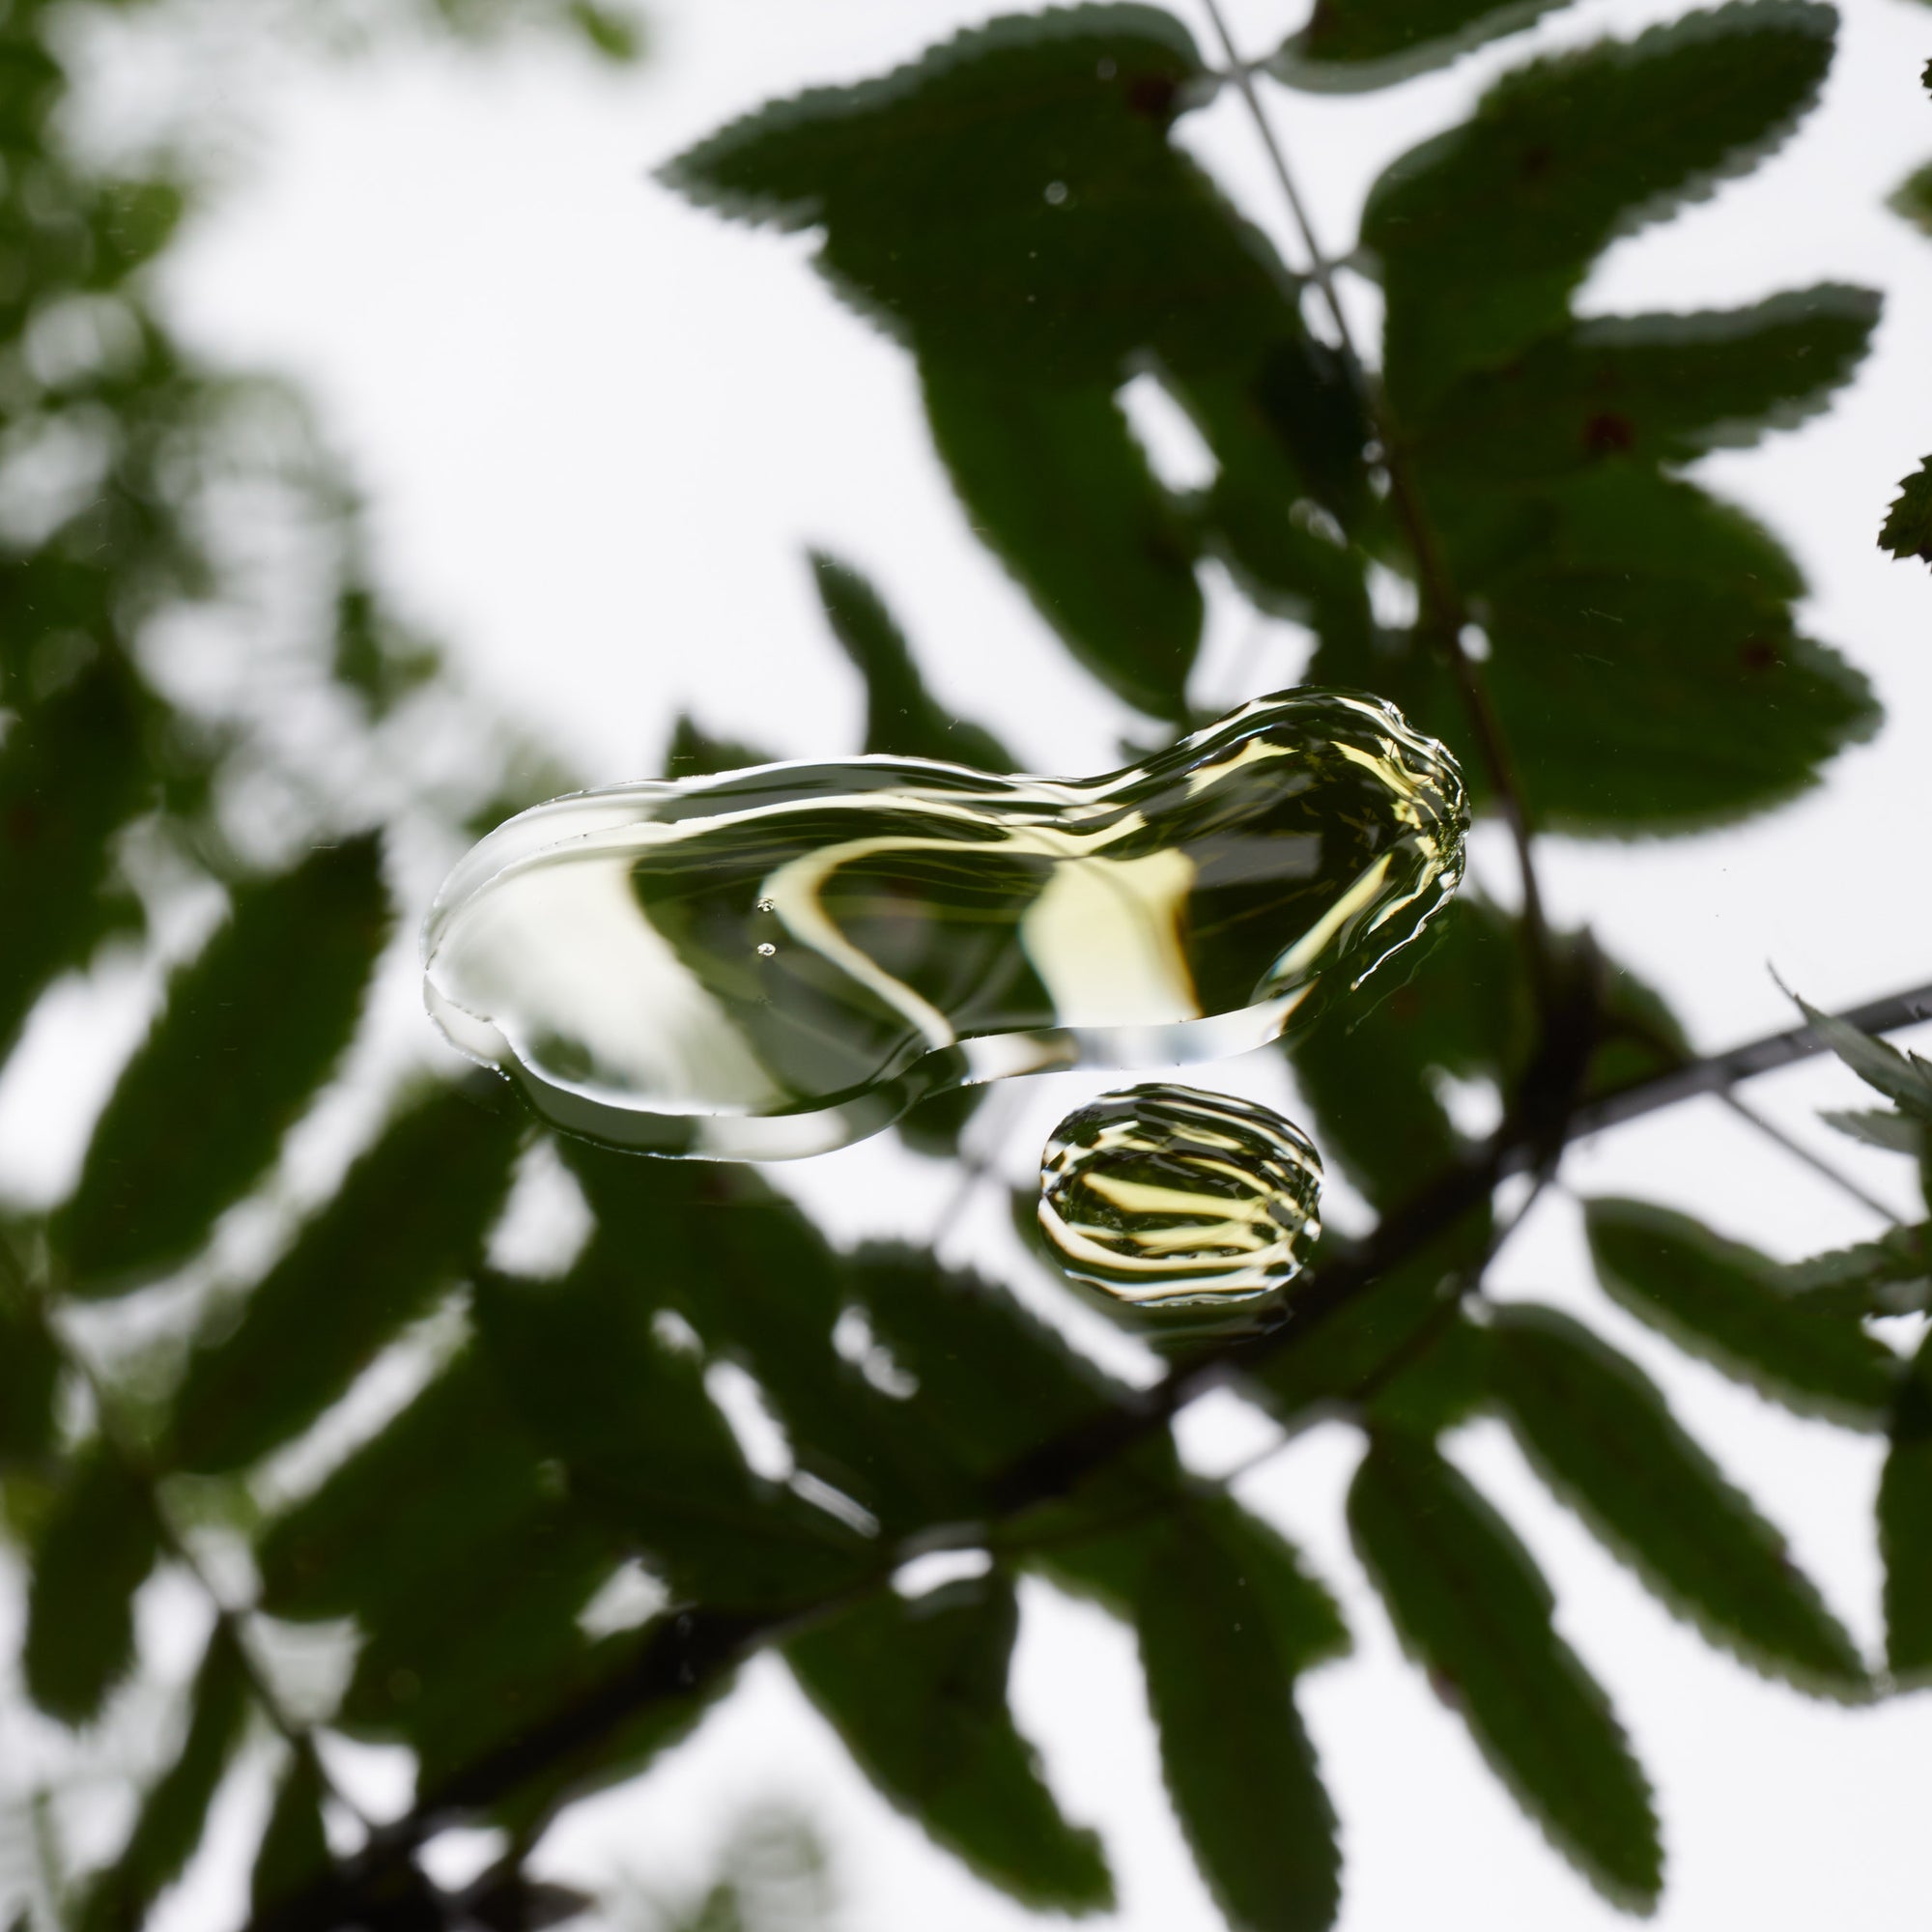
[1443, 611]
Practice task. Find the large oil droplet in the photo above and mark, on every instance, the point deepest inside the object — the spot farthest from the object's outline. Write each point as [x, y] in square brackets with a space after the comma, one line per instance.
[1163, 1194]
[933, 926]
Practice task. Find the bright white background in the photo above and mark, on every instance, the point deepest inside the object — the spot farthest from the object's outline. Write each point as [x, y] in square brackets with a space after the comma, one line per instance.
[596, 427]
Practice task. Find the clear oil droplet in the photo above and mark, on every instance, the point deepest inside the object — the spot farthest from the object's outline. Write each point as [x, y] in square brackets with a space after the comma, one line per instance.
[1162, 1194]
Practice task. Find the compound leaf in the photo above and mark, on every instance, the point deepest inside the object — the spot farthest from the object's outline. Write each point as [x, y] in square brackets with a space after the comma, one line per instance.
[1351, 45]
[1905, 1525]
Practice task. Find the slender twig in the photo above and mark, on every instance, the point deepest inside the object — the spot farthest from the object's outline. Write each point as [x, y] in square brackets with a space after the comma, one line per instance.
[1443, 608]
[1826, 1169]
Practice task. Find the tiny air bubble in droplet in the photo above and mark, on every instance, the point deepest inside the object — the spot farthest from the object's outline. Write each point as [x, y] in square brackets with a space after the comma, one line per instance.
[1161, 1194]
[766, 950]
[1108, 69]
[768, 905]
[1056, 194]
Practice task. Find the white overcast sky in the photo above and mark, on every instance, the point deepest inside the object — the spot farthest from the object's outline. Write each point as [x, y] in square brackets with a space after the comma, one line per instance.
[596, 427]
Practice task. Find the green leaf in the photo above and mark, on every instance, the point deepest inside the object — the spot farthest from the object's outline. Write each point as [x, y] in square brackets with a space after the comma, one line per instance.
[175, 1810]
[1877, 1127]
[429, 1190]
[1011, 201]
[1901, 1077]
[901, 719]
[1598, 1429]
[694, 753]
[74, 769]
[1913, 199]
[1647, 388]
[94, 1551]
[1891, 1275]
[1240, 1768]
[1905, 1526]
[251, 1030]
[29, 1374]
[294, 1850]
[1721, 1301]
[1484, 232]
[917, 1690]
[614, 32]
[1053, 481]
[1351, 45]
[1472, 1609]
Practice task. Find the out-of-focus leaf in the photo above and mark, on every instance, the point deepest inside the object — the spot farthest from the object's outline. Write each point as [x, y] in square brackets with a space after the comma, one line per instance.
[917, 1690]
[1891, 1275]
[72, 770]
[94, 1551]
[1913, 198]
[29, 1372]
[1648, 388]
[1483, 232]
[1349, 45]
[1599, 1430]
[251, 1030]
[1721, 1301]
[175, 1810]
[408, 1219]
[694, 753]
[627, 1418]
[933, 1126]
[294, 1850]
[902, 718]
[453, 1470]
[1471, 1607]
[1879, 1127]
[1012, 201]
[1905, 1525]
[1053, 481]
[614, 32]
[1238, 1765]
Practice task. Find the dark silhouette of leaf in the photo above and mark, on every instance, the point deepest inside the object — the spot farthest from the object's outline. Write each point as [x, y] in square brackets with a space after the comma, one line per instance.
[1907, 530]
[293, 1852]
[1913, 199]
[1053, 481]
[917, 1690]
[1598, 1429]
[73, 770]
[1891, 1275]
[1472, 1609]
[1238, 1765]
[1349, 45]
[1721, 1301]
[95, 1550]
[29, 1374]
[1905, 1526]
[694, 753]
[431, 1186]
[175, 1809]
[1483, 232]
[902, 718]
[1648, 388]
[1877, 1127]
[250, 1030]
[1901, 1077]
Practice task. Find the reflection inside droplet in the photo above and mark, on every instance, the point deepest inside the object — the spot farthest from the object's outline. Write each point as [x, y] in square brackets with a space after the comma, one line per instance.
[1163, 1194]
[777, 961]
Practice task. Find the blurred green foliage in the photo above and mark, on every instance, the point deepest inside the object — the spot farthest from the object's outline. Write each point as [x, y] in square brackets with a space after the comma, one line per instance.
[1612, 650]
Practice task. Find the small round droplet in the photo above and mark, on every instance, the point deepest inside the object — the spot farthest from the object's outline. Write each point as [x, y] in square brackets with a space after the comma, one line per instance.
[768, 905]
[1163, 1194]
[766, 948]
[1108, 69]
[1056, 194]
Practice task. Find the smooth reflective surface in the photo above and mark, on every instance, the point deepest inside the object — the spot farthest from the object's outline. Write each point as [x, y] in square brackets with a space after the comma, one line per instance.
[1162, 1194]
[778, 961]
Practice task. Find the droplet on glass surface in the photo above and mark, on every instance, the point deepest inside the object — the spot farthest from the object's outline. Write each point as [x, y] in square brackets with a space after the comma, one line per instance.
[936, 926]
[768, 950]
[1163, 1194]
[1056, 194]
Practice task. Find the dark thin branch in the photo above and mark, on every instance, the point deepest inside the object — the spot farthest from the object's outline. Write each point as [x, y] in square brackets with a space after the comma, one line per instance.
[1826, 1171]
[1443, 611]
